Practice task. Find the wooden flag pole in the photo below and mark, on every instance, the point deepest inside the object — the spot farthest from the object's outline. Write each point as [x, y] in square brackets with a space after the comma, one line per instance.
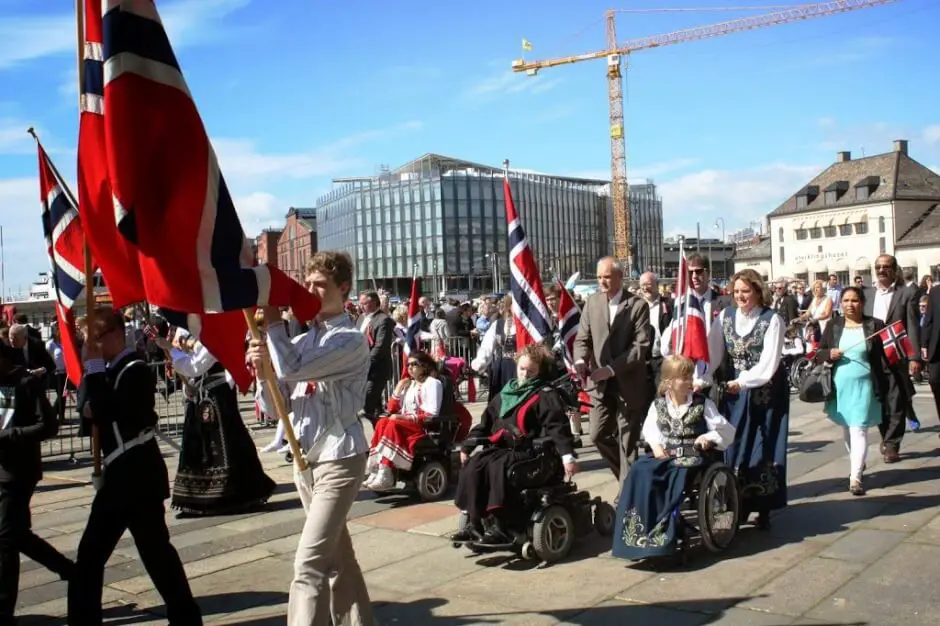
[89, 269]
[267, 375]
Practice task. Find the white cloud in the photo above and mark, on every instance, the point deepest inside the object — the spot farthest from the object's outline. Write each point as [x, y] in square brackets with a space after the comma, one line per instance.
[738, 196]
[13, 137]
[932, 134]
[23, 246]
[642, 172]
[26, 38]
[508, 83]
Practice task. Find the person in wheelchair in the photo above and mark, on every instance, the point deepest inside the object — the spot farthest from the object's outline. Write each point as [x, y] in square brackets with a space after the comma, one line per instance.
[680, 427]
[416, 399]
[525, 409]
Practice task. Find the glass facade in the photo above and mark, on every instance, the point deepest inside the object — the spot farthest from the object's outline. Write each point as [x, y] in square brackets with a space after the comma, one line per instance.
[446, 219]
[646, 226]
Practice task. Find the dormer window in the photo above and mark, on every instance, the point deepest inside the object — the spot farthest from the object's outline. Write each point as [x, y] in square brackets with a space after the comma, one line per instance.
[866, 187]
[806, 196]
[835, 191]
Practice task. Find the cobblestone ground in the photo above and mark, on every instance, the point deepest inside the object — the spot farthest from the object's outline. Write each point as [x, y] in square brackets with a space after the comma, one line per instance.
[829, 558]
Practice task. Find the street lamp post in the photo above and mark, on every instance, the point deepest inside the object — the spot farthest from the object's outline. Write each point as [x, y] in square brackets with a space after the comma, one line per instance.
[724, 259]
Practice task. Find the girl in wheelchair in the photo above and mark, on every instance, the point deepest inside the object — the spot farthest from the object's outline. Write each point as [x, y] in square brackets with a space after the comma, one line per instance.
[525, 409]
[417, 398]
[679, 426]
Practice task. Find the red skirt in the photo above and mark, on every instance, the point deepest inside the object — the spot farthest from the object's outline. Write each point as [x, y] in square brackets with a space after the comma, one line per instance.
[394, 441]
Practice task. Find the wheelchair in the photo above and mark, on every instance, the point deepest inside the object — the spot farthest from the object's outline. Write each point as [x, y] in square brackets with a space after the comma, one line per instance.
[554, 513]
[711, 507]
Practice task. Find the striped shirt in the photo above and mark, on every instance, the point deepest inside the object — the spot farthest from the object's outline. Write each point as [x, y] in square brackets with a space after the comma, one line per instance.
[326, 370]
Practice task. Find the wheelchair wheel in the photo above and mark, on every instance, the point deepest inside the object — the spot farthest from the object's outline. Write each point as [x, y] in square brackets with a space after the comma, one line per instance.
[432, 481]
[553, 535]
[718, 507]
[604, 519]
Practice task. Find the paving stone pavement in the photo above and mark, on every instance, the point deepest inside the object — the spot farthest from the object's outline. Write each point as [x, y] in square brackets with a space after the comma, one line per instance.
[829, 558]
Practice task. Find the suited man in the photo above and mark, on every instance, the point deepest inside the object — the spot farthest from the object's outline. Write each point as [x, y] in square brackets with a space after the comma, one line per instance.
[930, 350]
[36, 359]
[712, 303]
[784, 303]
[611, 350]
[661, 311]
[379, 330]
[890, 301]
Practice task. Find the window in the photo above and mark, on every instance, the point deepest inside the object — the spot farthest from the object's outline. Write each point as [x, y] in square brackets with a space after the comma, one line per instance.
[881, 224]
[832, 197]
[830, 231]
[815, 232]
[780, 235]
[801, 202]
[782, 261]
[801, 233]
[881, 245]
[845, 229]
[861, 193]
[861, 228]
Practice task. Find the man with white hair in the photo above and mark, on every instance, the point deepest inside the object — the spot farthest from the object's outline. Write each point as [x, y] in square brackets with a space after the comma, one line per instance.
[660, 318]
[37, 361]
[611, 350]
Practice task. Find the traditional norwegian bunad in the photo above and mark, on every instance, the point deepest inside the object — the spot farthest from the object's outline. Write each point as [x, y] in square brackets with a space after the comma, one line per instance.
[654, 489]
[394, 440]
[219, 470]
[497, 355]
[747, 349]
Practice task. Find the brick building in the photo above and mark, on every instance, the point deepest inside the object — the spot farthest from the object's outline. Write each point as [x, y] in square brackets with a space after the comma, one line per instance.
[297, 242]
[266, 246]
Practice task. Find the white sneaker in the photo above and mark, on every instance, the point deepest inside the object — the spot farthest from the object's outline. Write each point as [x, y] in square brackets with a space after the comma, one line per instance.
[271, 447]
[384, 479]
[284, 449]
[367, 483]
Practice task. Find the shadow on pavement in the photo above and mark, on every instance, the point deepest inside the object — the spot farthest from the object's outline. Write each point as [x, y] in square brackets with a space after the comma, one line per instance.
[807, 446]
[691, 613]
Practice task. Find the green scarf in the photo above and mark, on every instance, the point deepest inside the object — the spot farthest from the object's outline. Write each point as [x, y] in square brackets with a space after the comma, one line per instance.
[515, 393]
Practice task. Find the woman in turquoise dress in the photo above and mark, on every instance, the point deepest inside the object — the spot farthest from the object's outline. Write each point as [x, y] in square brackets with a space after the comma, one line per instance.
[862, 387]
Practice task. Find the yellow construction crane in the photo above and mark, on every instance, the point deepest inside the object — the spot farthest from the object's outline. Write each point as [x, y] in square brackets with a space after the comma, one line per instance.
[614, 53]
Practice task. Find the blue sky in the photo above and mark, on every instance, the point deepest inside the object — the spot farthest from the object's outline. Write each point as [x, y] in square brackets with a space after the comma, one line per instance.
[295, 92]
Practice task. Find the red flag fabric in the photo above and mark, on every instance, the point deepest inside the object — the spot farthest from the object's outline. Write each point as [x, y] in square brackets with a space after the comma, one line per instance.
[682, 291]
[529, 311]
[169, 197]
[413, 332]
[65, 243]
[897, 345]
[569, 320]
[695, 335]
[115, 255]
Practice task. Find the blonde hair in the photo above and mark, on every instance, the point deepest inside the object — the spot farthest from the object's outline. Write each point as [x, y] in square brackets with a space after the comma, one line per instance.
[675, 367]
[821, 285]
[752, 279]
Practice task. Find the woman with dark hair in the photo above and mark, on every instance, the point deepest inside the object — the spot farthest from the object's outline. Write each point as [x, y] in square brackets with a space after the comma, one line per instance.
[862, 383]
[745, 350]
[416, 399]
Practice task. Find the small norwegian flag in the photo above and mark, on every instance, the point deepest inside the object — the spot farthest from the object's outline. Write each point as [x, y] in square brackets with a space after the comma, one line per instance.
[897, 344]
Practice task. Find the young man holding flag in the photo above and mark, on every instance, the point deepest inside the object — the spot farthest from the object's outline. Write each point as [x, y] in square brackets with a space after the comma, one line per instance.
[326, 368]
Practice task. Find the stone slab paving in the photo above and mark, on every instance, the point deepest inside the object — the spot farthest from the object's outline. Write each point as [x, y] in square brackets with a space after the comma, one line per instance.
[829, 558]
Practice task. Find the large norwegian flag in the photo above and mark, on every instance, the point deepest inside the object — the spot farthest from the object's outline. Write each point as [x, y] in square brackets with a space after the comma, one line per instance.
[529, 310]
[682, 290]
[569, 319]
[65, 243]
[115, 255]
[169, 197]
[897, 345]
[690, 335]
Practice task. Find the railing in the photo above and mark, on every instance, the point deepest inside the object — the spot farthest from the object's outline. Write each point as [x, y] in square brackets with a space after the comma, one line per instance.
[458, 347]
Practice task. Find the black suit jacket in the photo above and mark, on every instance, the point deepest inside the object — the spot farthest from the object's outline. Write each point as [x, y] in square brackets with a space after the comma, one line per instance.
[788, 308]
[884, 383]
[140, 471]
[380, 335]
[931, 330]
[903, 309]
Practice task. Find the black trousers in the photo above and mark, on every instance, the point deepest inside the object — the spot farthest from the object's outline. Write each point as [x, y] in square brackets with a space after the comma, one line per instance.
[61, 380]
[375, 387]
[893, 423]
[112, 512]
[15, 538]
[933, 377]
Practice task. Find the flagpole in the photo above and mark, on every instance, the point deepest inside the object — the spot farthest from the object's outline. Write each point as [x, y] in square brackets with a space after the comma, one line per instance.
[89, 270]
[267, 376]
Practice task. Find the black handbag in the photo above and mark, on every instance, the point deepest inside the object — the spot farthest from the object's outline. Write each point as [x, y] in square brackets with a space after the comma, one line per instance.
[817, 384]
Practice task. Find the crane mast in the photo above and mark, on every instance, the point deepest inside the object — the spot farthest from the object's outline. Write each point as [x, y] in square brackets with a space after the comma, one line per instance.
[619, 192]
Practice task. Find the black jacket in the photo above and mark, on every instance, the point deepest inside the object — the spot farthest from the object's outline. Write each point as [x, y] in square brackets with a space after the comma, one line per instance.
[128, 404]
[31, 420]
[787, 307]
[883, 381]
[380, 334]
[903, 308]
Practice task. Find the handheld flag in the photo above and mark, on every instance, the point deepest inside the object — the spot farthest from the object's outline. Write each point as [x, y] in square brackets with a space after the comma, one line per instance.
[897, 345]
[65, 243]
[529, 310]
[682, 292]
[413, 332]
[569, 319]
[116, 256]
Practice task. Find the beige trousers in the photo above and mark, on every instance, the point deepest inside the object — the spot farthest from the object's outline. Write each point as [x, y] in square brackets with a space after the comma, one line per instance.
[327, 580]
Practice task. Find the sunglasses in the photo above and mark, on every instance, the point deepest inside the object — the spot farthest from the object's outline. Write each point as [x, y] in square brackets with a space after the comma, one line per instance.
[697, 270]
[414, 364]
[884, 267]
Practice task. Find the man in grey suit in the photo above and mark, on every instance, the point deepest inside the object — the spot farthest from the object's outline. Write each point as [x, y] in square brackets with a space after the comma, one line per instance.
[890, 301]
[610, 352]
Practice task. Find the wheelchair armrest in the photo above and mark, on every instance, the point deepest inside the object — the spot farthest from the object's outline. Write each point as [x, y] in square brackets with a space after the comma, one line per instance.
[544, 444]
[473, 442]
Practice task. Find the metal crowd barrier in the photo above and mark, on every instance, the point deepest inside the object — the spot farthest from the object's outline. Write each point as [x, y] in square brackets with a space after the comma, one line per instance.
[460, 347]
[70, 442]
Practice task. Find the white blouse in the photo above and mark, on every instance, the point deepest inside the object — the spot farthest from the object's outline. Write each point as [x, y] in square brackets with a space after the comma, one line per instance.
[425, 397]
[771, 352]
[488, 346]
[720, 431]
[196, 363]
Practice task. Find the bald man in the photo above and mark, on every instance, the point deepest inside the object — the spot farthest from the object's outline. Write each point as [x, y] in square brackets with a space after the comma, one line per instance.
[611, 350]
[661, 311]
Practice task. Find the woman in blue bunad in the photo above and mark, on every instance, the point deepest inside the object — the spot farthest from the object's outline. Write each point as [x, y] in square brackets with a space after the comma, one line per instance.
[745, 349]
[678, 426]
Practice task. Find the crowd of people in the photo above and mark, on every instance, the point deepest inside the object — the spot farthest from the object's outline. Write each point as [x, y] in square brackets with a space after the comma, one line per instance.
[654, 414]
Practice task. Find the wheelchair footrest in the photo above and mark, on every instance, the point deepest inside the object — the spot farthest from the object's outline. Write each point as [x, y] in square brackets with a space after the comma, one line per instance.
[490, 547]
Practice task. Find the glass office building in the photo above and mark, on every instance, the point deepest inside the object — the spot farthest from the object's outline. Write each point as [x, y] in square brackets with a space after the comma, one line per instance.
[445, 219]
[646, 226]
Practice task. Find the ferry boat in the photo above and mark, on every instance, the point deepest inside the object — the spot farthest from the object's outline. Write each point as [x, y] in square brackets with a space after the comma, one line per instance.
[38, 304]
